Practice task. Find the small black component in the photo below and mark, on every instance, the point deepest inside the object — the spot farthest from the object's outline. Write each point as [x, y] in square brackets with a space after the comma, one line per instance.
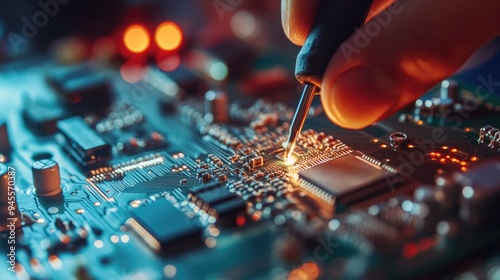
[204, 188]
[83, 143]
[165, 228]
[210, 198]
[238, 57]
[42, 118]
[188, 80]
[346, 180]
[83, 85]
[227, 212]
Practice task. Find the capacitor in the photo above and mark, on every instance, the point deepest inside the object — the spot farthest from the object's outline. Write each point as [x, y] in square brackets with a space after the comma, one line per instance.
[5, 146]
[216, 106]
[399, 139]
[46, 177]
[449, 90]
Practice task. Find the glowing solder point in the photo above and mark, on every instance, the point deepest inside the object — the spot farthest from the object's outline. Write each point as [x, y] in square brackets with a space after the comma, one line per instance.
[291, 160]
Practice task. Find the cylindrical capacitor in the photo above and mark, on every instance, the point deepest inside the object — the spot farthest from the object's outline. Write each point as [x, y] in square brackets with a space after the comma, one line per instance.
[46, 177]
[4, 184]
[449, 90]
[5, 146]
[216, 106]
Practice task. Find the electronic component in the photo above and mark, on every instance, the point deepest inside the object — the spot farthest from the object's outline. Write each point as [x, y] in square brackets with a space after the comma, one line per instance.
[399, 139]
[216, 106]
[187, 80]
[489, 135]
[228, 211]
[82, 142]
[207, 199]
[345, 180]
[5, 146]
[165, 228]
[411, 196]
[480, 193]
[46, 178]
[83, 85]
[42, 118]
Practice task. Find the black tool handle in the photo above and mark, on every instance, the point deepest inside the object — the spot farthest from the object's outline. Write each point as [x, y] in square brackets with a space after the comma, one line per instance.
[335, 22]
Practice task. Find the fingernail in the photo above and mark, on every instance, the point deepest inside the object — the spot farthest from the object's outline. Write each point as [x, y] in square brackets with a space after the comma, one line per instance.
[359, 97]
[285, 12]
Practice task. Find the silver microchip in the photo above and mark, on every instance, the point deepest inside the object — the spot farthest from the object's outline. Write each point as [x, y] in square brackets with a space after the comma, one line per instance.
[345, 175]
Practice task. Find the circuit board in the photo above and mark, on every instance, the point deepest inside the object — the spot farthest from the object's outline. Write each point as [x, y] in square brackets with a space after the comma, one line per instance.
[159, 179]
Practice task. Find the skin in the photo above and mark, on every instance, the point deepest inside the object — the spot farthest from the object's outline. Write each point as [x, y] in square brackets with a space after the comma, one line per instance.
[424, 42]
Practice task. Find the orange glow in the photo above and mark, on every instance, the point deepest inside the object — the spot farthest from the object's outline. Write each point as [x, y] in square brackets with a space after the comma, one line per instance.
[474, 158]
[255, 216]
[168, 36]
[424, 69]
[136, 38]
[454, 150]
[307, 271]
[463, 168]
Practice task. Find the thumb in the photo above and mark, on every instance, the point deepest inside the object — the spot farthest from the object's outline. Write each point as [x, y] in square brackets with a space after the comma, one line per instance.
[400, 54]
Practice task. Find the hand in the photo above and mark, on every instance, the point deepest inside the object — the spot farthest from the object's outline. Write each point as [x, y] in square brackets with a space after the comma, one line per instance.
[402, 51]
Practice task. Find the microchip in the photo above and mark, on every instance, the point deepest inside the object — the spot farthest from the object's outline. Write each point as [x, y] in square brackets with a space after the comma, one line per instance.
[41, 118]
[345, 181]
[82, 85]
[165, 228]
[83, 143]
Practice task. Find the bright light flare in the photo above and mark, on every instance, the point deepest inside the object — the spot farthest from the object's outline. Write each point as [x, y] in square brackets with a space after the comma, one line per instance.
[291, 160]
[136, 38]
[168, 36]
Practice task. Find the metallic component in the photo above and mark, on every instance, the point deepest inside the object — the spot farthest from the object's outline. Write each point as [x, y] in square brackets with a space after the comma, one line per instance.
[398, 139]
[490, 135]
[216, 107]
[483, 133]
[449, 90]
[299, 118]
[46, 177]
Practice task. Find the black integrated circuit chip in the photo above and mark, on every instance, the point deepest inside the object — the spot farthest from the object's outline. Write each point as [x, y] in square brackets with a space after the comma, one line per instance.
[345, 180]
[82, 85]
[165, 228]
[83, 143]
